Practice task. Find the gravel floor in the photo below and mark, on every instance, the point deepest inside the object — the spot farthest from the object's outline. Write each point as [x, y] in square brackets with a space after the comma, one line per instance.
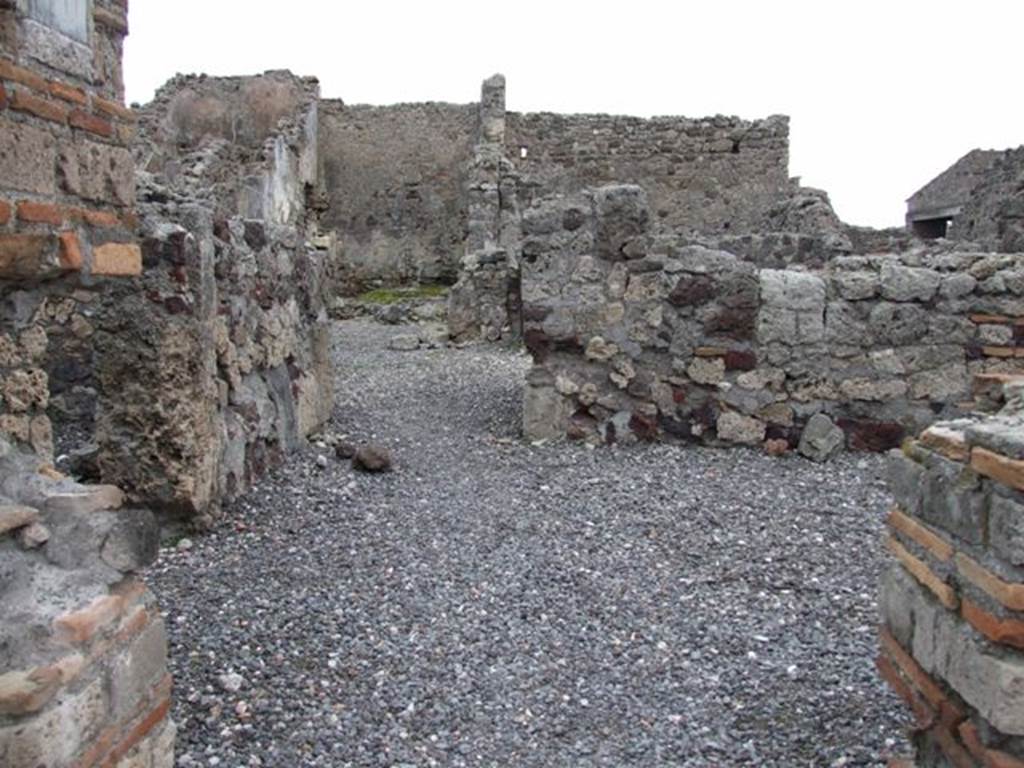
[493, 603]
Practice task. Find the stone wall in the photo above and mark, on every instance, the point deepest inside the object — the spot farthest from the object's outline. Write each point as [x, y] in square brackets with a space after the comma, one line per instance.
[66, 206]
[83, 673]
[636, 336]
[218, 352]
[953, 601]
[709, 175]
[994, 212]
[394, 179]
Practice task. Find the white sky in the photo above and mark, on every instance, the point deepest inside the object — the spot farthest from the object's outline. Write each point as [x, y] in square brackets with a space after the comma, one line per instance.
[882, 95]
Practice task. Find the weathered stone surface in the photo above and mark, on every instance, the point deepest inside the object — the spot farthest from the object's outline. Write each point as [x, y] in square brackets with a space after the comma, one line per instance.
[821, 438]
[900, 283]
[1006, 529]
[736, 428]
[27, 157]
[13, 517]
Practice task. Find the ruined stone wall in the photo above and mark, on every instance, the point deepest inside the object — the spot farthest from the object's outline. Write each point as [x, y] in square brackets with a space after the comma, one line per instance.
[641, 337]
[218, 351]
[994, 212]
[394, 179]
[709, 175]
[952, 603]
[83, 673]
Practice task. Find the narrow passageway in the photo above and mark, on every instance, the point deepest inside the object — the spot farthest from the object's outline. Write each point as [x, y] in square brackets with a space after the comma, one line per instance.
[495, 603]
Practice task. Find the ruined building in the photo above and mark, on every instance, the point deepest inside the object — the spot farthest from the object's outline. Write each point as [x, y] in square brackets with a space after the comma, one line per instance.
[165, 280]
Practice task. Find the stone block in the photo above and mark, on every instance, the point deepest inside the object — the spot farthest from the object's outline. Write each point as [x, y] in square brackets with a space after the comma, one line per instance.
[133, 542]
[137, 669]
[28, 157]
[1006, 529]
[117, 260]
[623, 216]
[821, 438]
[545, 413]
[97, 172]
[13, 517]
[736, 428]
[899, 283]
[83, 499]
[953, 499]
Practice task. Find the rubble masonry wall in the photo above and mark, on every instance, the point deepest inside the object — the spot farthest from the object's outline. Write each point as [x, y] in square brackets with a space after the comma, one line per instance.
[637, 336]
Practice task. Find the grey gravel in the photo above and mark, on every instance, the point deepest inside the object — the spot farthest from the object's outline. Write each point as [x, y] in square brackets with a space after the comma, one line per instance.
[495, 603]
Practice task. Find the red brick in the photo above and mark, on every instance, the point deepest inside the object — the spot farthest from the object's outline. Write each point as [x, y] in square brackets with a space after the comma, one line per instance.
[113, 109]
[923, 714]
[68, 93]
[1009, 594]
[921, 534]
[91, 123]
[5, 212]
[81, 626]
[40, 213]
[918, 677]
[48, 110]
[1004, 631]
[957, 755]
[920, 571]
[70, 252]
[1005, 470]
[11, 71]
[969, 736]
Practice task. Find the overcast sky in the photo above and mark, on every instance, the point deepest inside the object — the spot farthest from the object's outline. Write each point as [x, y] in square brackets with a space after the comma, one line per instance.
[882, 95]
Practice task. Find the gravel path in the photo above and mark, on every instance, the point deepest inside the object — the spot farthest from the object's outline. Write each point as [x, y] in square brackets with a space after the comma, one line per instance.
[492, 603]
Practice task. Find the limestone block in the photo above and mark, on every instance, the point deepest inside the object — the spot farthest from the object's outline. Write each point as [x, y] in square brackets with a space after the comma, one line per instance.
[706, 370]
[854, 286]
[899, 283]
[622, 217]
[949, 382]
[1006, 529]
[872, 389]
[27, 158]
[736, 428]
[98, 172]
[821, 438]
[952, 498]
[545, 413]
[137, 668]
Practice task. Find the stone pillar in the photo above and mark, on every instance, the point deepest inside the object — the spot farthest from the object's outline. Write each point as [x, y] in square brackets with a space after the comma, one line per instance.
[485, 301]
[952, 603]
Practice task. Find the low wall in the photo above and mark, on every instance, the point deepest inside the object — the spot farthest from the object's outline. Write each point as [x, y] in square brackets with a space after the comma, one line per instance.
[639, 337]
[953, 601]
